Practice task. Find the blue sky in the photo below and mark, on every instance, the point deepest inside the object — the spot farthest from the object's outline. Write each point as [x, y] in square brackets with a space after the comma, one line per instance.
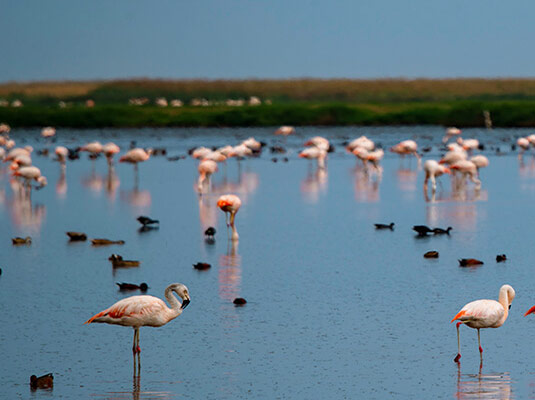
[44, 40]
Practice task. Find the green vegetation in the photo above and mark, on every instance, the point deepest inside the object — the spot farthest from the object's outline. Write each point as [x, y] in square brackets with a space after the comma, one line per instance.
[511, 102]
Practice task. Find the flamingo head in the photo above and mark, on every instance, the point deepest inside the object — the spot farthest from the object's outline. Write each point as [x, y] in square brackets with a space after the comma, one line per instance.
[447, 170]
[182, 292]
[42, 181]
[14, 166]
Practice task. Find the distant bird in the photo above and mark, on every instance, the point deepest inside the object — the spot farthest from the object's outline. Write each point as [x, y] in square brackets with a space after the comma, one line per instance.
[132, 286]
[422, 230]
[206, 168]
[384, 226]
[440, 231]
[136, 156]
[210, 232]
[200, 152]
[109, 150]
[362, 142]
[432, 170]
[480, 161]
[62, 153]
[501, 258]
[319, 142]
[20, 240]
[239, 301]
[202, 266]
[315, 153]
[253, 144]
[468, 169]
[485, 314]
[43, 382]
[406, 147]
[230, 204]
[143, 220]
[285, 130]
[240, 151]
[451, 132]
[48, 132]
[77, 236]
[105, 242]
[138, 311]
[29, 174]
[468, 144]
[118, 262]
[93, 148]
[469, 262]
[523, 144]
[431, 254]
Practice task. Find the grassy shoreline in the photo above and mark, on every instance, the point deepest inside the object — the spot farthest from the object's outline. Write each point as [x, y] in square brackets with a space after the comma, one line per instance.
[458, 102]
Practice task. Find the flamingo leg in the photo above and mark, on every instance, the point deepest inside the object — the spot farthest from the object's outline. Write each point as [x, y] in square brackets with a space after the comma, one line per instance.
[480, 348]
[458, 357]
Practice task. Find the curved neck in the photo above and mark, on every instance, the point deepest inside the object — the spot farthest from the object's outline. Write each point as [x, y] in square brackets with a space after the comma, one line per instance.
[172, 300]
[503, 299]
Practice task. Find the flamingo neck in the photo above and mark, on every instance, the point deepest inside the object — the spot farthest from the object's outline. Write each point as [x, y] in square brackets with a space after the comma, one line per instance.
[503, 299]
[173, 302]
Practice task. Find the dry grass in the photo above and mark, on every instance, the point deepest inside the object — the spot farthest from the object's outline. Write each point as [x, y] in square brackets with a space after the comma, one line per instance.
[48, 89]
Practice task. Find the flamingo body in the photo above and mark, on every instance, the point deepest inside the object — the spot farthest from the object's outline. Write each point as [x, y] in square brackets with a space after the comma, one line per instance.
[230, 204]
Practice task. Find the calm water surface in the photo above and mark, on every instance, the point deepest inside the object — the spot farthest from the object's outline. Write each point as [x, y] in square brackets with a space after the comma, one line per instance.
[335, 309]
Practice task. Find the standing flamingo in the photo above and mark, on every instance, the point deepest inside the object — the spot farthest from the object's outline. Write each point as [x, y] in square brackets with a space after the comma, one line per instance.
[230, 203]
[138, 311]
[362, 142]
[467, 169]
[523, 143]
[61, 153]
[206, 169]
[451, 132]
[432, 170]
[48, 132]
[93, 148]
[484, 314]
[285, 130]
[315, 153]
[406, 147]
[136, 156]
[29, 174]
[109, 150]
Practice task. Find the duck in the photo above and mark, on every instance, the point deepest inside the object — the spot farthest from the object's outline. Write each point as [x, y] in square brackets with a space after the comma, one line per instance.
[202, 266]
[239, 301]
[210, 232]
[431, 254]
[501, 258]
[132, 286]
[440, 231]
[19, 240]
[77, 236]
[385, 226]
[105, 242]
[43, 382]
[143, 220]
[422, 230]
[469, 262]
[118, 262]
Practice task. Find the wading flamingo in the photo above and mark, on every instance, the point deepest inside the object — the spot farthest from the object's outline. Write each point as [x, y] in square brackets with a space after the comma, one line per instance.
[362, 142]
[48, 132]
[311, 153]
[230, 204]
[206, 169]
[93, 148]
[319, 142]
[432, 170]
[523, 144]
[406, 147]
[138, 311]
[451, 132]
[467, 169]
[484, 314]
[29, 174]
[136, 156]
[285, 130]
[109, 150]
[61, 154]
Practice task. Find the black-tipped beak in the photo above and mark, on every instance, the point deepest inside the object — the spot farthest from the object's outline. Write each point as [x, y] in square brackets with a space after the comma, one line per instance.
[184, 304]
[509, 306]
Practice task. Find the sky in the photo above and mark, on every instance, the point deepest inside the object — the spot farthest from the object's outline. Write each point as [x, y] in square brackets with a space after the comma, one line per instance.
[102, 39]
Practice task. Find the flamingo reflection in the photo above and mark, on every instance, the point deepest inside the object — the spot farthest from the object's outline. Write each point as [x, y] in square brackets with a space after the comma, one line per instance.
[314, 184]
[229, 276]
[483, 386]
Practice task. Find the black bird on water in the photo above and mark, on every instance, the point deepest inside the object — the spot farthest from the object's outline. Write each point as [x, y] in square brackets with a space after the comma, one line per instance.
[210, 232]
[385, 226]
[147, 221]
[440, 231]
[422, 230]
[501, 258]
[132, 286]
[43, 382]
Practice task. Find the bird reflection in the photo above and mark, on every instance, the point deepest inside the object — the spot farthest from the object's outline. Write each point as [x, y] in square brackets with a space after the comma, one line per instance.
[138, 199]
[230, 272]
[314, 184]
[406, 178]
[61, 185]
[483, 386]
[22, 212]
[463, 215]
[366, 187]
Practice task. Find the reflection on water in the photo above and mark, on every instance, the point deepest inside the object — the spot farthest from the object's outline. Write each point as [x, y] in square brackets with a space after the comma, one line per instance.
[61, 185]
[136, 393]
[230, 272]
[406, 179]
[366, 186]
[484, 386]
[23, 213]
[139, 200]
[314, 184]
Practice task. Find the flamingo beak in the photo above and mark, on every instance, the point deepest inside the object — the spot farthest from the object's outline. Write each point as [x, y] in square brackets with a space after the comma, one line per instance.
[447, 171]
[185, 303]
[530, 311]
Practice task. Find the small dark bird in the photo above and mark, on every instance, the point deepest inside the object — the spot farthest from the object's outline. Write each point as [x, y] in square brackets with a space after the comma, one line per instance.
[239, 301]
[118, 262]
[77, 236]
[285, 159]
[501, 258]
[274, 159]
[431, 254]
[468, 262]
[210, 232]
[147, 221]
[105, 242]
[426, 149]
[202, 266]
[132, 286]
[18, 240]
[173, 158]
[277, 149]
[74, 154]
[43, 382]
[422, 230]
[384, 226]
[440, 231]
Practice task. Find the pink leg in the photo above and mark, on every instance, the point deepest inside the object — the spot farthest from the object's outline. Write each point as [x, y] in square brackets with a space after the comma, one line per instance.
[458, 357]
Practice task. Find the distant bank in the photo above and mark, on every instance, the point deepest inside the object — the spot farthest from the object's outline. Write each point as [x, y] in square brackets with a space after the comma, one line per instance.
[136, 103]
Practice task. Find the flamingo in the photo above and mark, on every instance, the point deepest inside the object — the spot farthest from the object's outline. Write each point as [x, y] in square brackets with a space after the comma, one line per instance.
[136, 156]
[10, 143]
[484, 314]
[14, 153]
[452, 131]
[109, 150]
[374, 157]
[467, 168]
[216, 156]
[138, 311]
[93, 148]
[225, 150]
[62, 153]
[362, 154]
[4, 129]
[319, 142]
[451, 157]
[362, 142]
[432, 170]
[523, 143]
[230, 203]
[253, 144]
[200, 152]
[31, 173]
[480, 161]
[206, 169]
[48, 132]
[406, 147]
[285, 130]
[468, 144]
[315, 153]
[22, 160]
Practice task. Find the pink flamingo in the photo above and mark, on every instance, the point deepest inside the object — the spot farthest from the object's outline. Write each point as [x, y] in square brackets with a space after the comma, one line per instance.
[484, 314]
[136, 156]
[93, 148]
[206, 169]
[319, 142]
[138, 311]
[451, 132]
[523, 143]
[109, 150]
[230, 204]
[406, 147]
[432, 170]
[14, 153]
[48, 132]
[468, 169]
[316, 153]
[362, 142]
[29, 174]
[285, 130]
[61, 154]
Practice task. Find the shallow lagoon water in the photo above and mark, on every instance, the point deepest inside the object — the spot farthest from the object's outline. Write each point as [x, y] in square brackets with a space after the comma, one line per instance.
[335, 309]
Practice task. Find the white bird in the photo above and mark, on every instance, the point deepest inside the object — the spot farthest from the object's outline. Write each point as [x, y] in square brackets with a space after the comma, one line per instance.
[285, 130]
[319, 142]
[316, 153]
[432, 170]
[48, 132]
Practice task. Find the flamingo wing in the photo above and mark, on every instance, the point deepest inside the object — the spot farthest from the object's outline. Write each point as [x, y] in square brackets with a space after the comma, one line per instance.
[487, 312]
[132, 311]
